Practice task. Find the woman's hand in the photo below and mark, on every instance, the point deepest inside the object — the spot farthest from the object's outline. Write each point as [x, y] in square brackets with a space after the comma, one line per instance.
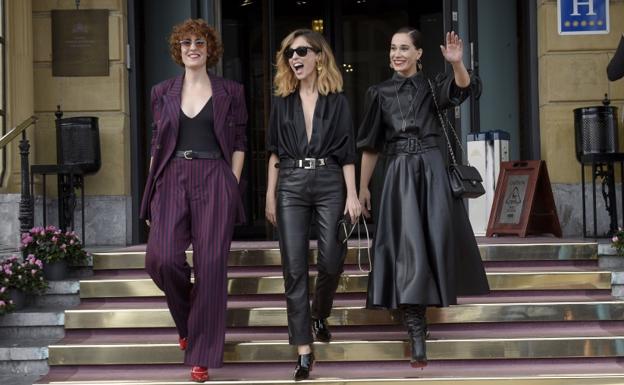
[365, 203]
[454, 49]
[270, 209]
[353, 207]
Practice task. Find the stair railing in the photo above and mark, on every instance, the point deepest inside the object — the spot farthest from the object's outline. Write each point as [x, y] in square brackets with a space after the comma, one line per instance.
[26, 209]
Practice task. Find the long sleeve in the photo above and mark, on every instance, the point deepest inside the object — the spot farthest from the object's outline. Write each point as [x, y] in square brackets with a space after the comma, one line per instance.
[370, 134]
[449, 94]
[615, 69]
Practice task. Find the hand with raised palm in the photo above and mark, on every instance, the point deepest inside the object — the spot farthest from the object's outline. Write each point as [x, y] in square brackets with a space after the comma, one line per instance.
[453, 50]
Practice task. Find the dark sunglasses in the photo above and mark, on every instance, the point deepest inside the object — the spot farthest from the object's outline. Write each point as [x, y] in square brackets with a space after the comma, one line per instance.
[301, 51]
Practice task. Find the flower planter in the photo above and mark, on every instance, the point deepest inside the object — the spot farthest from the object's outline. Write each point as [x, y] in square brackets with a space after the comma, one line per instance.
[55, 271]
[18, 297]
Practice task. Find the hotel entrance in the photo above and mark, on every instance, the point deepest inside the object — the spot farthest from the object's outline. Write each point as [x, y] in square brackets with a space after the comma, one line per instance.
[359, 31]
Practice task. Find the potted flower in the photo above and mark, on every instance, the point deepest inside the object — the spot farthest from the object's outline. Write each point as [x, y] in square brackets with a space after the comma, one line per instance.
[55, 248]
[19, 278]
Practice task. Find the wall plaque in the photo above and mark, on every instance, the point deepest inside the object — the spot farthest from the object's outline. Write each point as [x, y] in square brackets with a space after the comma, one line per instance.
[80, 42]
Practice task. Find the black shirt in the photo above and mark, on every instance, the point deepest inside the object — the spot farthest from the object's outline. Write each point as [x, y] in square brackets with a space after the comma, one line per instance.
[197, 133]
[332, 129]
[383, 121]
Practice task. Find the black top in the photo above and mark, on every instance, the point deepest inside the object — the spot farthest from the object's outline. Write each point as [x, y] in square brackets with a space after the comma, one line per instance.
[197, 133]
[332, 129]
[383, 121]
[615, 69]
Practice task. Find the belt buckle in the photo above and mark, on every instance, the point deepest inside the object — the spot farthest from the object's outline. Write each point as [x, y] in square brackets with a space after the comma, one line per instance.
[311, 165]
[413, 145]
[188, 154]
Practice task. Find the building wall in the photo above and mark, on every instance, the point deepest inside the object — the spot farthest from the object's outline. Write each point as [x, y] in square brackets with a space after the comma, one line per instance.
[38, 92]
[572, 74]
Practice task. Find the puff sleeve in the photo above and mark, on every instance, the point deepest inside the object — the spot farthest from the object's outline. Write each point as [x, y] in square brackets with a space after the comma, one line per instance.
[370, 134]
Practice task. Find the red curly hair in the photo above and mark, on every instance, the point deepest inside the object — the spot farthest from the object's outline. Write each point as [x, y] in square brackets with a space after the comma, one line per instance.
[200, 29]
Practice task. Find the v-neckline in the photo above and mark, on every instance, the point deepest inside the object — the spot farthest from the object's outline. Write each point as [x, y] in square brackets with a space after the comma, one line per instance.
[305, 131]
[199, 112]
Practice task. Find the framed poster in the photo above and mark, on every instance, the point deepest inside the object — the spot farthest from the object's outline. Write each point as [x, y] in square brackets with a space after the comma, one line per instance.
[80, 42]
[523, 201]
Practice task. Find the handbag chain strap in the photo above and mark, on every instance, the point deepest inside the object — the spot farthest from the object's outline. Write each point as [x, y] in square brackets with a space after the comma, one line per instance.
[442, 123]
[368, 245]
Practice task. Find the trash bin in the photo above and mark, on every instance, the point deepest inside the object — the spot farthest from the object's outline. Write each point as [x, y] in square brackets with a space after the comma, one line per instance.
[485, 151]
[596, 130]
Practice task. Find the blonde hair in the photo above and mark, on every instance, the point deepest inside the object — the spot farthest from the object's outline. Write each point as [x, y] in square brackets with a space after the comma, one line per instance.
[328, 80]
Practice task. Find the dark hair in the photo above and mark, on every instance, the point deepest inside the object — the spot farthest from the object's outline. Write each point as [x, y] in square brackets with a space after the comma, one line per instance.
[414, 34]
[199, 28]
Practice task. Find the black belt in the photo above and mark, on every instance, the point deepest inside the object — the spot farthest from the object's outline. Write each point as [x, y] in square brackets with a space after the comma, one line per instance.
[190, 154]
[307, 163]
[410, 145]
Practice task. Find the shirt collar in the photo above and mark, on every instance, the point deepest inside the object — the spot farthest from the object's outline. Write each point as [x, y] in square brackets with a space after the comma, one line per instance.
[401, 80]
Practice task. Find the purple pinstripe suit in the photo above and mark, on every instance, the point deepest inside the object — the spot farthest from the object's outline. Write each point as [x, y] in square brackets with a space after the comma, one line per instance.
[194, 202]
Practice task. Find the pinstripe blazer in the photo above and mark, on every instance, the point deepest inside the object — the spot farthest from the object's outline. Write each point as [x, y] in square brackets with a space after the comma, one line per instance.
[230, 121]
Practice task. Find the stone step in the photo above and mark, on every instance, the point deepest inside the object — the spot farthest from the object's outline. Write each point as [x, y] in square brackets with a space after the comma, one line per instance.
[267, 253]
[588, 371]
[24, 356]
[123, 284]
[141, 315]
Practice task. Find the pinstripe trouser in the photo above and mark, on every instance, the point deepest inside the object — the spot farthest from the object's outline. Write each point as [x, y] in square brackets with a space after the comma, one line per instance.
[194, 204]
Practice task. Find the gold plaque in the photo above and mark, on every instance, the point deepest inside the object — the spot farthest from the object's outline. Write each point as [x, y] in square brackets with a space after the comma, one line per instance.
[80, 42]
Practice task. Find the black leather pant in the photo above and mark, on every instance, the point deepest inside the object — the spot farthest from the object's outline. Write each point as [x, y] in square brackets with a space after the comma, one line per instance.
[301, 193]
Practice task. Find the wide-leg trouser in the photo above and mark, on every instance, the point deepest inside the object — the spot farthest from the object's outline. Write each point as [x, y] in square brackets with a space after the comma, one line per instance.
[194, 204]
[300, 194]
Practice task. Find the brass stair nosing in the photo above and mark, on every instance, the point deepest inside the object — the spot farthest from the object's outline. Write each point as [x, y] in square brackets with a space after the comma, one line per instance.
[280, 351]
[271, 257]
[357, 315]
[353, 283]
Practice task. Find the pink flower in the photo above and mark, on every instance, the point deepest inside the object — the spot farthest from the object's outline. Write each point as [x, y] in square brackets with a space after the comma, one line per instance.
[54, 239]
[615, 238]
[2, 289]
[42, 233]
[33, 272]
[63, 246]
[72, 242]
[39, 263]
[2, 303]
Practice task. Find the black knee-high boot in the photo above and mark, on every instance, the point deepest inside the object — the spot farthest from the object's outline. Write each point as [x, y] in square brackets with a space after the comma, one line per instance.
[416, 323]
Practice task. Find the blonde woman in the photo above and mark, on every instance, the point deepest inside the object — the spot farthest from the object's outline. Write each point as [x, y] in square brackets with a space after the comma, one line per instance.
[311, 173]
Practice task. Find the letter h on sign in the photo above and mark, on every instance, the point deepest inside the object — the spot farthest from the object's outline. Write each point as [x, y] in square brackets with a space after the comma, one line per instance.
[583, 17]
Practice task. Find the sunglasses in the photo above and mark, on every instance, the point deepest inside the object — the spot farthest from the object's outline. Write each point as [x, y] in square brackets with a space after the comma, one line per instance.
[187, 43]
[301, 51]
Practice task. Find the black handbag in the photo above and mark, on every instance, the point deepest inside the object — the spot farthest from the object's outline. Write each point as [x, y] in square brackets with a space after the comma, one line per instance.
[465, 180]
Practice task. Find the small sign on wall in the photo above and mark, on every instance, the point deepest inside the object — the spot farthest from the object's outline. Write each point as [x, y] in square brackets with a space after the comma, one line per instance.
[583, 17]
[80, 42]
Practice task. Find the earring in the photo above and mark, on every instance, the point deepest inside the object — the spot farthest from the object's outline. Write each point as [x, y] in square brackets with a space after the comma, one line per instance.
[319, 67]
[419, 65]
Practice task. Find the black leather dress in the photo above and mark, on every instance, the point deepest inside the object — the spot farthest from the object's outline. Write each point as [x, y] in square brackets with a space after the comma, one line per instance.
[424, 248]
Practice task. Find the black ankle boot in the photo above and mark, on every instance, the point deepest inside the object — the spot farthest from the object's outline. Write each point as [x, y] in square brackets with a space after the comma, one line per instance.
[304, 366]
[414, 319]
[320, 329]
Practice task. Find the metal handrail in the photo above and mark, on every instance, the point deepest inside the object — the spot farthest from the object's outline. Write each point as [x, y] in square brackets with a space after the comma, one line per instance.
[6, 139]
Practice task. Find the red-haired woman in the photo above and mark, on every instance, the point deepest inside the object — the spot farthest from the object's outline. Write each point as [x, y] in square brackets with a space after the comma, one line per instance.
[192, 194]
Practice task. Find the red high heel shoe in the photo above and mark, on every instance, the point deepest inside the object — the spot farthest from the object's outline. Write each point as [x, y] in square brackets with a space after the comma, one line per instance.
[199, 374]
[183, 343]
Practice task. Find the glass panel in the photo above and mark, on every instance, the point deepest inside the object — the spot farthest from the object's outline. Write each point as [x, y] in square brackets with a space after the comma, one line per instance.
[245, 60]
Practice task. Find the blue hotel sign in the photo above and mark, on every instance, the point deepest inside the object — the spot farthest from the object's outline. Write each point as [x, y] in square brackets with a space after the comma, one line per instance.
[583, 17]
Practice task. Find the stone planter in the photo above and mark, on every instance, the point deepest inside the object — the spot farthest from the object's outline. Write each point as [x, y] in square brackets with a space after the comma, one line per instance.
[18, 297]
[55, 271]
